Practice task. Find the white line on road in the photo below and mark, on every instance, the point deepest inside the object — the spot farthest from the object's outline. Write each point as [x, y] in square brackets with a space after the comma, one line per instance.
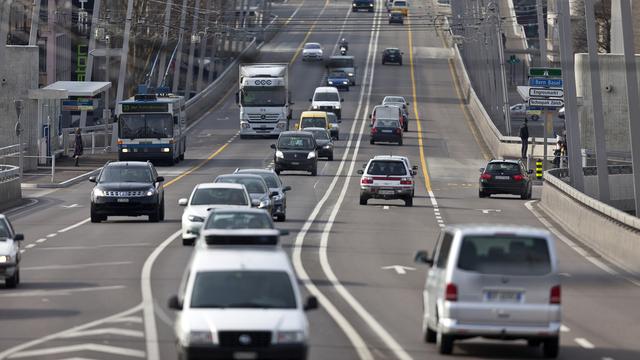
[94, 247]
[52, 235]
[40, 241]
[584, 343]
[106, 331]
[75, 266]
[30, 246]
[60, 292]
[386, 207]
[127, 319]
[564, 328]
[114, 350]
[75, 225]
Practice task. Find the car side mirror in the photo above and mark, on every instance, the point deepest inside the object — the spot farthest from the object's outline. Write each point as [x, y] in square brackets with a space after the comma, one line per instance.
[286, 188]
[273, 146]
[237, 98]
[255, 202]
[414, 173]
[92, 179]
[529, 171]
[174, 303]
[369, 116]
[310, 99]
[283, 232]
[422, 257]
[160, 179]
[183, 202]
[360, 172]
[312, 303]
[481, 170]
[274, 193]
[414, 167]
[18, 237]
[341, 100]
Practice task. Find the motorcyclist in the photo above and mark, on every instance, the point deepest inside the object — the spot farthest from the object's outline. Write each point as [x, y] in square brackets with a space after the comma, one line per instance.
[344, 43]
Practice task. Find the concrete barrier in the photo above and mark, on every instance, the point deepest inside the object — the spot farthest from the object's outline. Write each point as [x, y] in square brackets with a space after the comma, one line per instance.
[613, 233]
[10, 190]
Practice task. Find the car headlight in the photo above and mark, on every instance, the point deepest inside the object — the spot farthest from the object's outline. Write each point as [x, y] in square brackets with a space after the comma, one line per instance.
[195, 218]
[264, 204]
[315, 106]
[5, 259]
[288, 337]
[199, 337]
[99, 192]
[350, 74]
[279, 154]
[327, 147]
[125, 150]
[277, 198]
[330, 82]
[151, 191]
[312, 154]
[354, 5]
[345, 82]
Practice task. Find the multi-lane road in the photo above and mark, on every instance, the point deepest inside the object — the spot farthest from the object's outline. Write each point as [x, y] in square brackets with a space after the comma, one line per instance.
[99, 291]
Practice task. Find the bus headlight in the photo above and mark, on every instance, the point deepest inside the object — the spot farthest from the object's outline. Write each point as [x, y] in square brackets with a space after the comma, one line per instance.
[166, 150]
[125, 150]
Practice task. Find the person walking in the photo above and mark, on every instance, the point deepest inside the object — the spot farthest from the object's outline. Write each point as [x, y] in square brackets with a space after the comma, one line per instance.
[524, 137]
[79, 147]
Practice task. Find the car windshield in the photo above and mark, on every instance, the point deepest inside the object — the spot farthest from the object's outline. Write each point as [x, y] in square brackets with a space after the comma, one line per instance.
[332, 118]
[312, 46]
[146, 126]
[253, 185]
[326, 96]
[239, 220]
[219, 196]
[400, 3]
[117, 174]
[505, 255]
[340, 63]
[243, 289]
[503, 167]
[393, 51]
[386, 111]
[4, 231]
[381, 167]
[393, 99]
[338, 74]
[387, 123]
[307, 122]
[295, 143]
[320, 134]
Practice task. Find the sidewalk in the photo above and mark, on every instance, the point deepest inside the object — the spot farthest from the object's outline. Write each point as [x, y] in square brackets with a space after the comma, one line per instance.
[66, 173]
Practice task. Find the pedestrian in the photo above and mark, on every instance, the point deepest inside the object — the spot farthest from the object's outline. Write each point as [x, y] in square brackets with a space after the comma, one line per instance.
[524, 137]
[79, 147]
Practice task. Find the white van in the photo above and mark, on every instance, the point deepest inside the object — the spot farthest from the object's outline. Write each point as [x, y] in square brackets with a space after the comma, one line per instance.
[327, 98]
[498, 282]
[241, 302]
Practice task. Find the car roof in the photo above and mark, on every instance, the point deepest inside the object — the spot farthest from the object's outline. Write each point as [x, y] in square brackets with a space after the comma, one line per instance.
[296, 133]
[269, 258]
[238, 209]
[376, 158]
[312, 43]
[512, 161]
[390, 157]
[220, 186]
[314, 113]
[483, 229]
[391, 49]
[238, 175]
[393, 96]
[129, 163]
[255, 171]
[326, 89]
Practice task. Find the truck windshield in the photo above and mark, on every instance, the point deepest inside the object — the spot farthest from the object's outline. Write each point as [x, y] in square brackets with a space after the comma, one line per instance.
[264, 96]
[146, 126]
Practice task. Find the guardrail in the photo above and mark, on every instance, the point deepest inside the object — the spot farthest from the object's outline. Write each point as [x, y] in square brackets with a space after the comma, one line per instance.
[9, 172]
[10, 191]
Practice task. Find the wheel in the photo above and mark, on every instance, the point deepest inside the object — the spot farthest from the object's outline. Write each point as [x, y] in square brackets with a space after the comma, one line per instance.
[277, 171]
[482, 194]
[182, 156]
[243, 136]
[95, 218]
[314, 171]
[383, 63]
[371, 141]
[400, 142]
[444, 343]
[338, 137]
[155, 217]
[281, 217]
[363, 200]
[408, 202]
[400, 63]
[405, 127]
[355, 10]
[430, 336]
[370, 10]
[331, 157]
[161, 216]
[13, 281]
[524, 195]
[188, 242]
[339, 114]
[551, 347]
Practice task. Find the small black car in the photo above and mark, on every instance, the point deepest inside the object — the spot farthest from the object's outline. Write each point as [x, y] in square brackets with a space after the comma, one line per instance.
[295, 150]
[324, 143]
[505, 177]
[127, 188]
[396, 17]
[392, 55]
[367, 5]
[386, 130]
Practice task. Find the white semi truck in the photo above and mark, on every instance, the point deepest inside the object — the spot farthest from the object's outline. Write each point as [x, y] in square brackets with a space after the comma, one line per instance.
[264, 99]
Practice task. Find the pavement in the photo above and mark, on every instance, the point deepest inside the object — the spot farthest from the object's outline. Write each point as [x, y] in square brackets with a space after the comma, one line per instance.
[99, 291]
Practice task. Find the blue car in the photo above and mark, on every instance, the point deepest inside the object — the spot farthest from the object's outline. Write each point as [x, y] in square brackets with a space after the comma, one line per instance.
[338, 79]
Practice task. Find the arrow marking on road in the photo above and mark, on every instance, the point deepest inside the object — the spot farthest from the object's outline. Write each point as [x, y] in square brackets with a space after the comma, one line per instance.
[399, 269]
[114, 350]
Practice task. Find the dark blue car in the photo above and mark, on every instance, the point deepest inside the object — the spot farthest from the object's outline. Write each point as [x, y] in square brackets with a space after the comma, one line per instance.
[338, 79]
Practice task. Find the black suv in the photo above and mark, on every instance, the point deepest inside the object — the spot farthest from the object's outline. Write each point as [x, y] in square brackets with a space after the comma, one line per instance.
[505, 177]
[392, 55]
[295, 150]
[127, 188]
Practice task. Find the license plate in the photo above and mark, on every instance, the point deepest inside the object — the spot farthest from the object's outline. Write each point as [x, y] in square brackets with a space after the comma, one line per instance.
[245, 355]
[386, 192]
[387, 131]
[503, 296]
[122, 200]
[295, 163]
[502, 177]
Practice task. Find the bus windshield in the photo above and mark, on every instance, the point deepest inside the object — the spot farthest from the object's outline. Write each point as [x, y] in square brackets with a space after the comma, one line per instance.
[146, 126]
[264, 96]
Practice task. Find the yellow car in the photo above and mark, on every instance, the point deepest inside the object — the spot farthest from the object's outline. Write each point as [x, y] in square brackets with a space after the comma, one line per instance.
[313, 119]
[401, 6]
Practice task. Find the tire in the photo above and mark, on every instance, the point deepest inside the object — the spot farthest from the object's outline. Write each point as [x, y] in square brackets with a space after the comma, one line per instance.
[281, 217]
[182, 156]
[370, 10]
[408, 201]
[338, 137]
[155, 217]
[400, 142]
[188, 242]
[444, 343]
[161, 216]
[13, 281]
[363, 200]
[482, 194]
[331, 157]
[314, 171]
[405, 127]
[371, 141]
[383, 63]
[277, 171]
[95, 218]
[243, 137]
[354, 10]
[524, 195]
[430, 336]
[551, 347]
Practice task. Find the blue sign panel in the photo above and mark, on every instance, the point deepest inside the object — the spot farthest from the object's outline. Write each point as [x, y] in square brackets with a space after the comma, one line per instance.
[544, 82]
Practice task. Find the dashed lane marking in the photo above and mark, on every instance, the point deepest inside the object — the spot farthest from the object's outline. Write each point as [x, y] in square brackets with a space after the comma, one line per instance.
[52, 235]
[584, 343]
[75, 266]
[60, 292]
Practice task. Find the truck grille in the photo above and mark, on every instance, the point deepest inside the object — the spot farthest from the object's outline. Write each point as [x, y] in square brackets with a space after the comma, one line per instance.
[244, 338]
[263, 117]
[125, 193]
[325, 108]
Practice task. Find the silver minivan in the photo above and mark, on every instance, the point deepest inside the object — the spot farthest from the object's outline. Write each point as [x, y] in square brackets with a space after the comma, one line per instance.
[497, 282]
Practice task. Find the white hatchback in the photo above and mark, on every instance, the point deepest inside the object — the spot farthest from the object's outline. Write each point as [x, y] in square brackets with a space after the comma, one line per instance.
[9, 253]
[312, 51]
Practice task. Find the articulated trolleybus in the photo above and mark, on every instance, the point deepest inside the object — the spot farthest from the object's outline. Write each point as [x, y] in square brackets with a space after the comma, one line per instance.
[152, 127]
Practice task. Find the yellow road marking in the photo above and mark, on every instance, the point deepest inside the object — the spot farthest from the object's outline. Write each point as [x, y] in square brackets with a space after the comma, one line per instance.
[203, 163]
[306, 37]
[423, 161]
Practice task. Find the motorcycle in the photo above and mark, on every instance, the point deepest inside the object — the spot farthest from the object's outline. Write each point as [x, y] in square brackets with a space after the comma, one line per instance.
[343, 50]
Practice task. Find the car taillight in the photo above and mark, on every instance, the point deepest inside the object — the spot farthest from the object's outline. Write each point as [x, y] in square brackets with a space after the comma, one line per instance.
[398, 131]
[485, 176]
[518, 177]
[366, 180]
[406, 182]
[451, 292]
[554, 296]
[374, 130]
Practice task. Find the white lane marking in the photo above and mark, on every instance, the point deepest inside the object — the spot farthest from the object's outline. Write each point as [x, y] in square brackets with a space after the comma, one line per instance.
[584, 343]
[75, 266]
[87, 174]
[386, 207]
[127, 319]
[30, 246]
[52, 235]
[22, 251]
[75, 225]
[93, 247]
[564, 328]
[148, 313]
[399, 269]
[16, 210]
[106, 331]
[114, 350]
[43, 193]
[576, 247]
[61, 292]
[71, 206]
[488, 211]
[40, 241]
[607, 358]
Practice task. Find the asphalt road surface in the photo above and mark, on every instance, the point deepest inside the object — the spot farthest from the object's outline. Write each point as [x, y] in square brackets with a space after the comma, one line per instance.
[99, 291]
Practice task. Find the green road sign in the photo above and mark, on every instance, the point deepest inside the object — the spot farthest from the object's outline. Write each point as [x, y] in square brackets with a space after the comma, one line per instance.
[546, 72]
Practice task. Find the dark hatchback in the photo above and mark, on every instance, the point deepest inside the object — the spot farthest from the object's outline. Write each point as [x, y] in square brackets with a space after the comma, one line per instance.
[295, 150]
[396, 17]
[392, 56]
[386, 130]
[362, 5]
[324, 143]
[127, 188]
[505, 177]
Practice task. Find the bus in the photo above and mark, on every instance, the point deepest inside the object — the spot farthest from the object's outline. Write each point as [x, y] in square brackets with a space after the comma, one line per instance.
[152, 127]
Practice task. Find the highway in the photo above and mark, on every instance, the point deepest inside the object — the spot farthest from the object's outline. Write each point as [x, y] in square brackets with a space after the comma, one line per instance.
[99, 291]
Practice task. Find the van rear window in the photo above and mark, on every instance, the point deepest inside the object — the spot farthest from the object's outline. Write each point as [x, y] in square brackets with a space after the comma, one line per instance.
[504, 255]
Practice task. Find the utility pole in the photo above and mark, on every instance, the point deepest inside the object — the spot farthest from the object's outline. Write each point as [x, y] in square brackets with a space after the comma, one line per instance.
[165, 40]
[35, 23]
[547, 115]
[192, 49]
[632, 96]
[177, 70]
[124, 56]
[51, 39]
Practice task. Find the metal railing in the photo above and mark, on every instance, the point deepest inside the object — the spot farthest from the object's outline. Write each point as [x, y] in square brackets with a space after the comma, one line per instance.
[90, 136]
[9, 172]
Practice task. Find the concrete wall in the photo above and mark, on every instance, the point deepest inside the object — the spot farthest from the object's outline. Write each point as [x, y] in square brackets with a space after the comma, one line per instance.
[593, 222]
[10, 190]
[620, 189]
